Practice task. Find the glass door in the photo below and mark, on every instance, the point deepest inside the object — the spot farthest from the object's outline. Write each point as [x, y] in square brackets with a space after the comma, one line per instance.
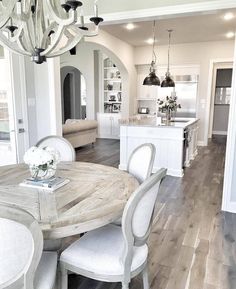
[8, 153]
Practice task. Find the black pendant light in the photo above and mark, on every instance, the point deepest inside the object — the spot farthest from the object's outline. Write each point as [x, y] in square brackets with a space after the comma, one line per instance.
[168, 81]
[152, 78]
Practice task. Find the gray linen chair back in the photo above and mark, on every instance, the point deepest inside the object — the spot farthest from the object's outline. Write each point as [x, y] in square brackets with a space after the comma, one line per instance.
[21, 244]
[141, 161]
[137, 217]
[64, 147]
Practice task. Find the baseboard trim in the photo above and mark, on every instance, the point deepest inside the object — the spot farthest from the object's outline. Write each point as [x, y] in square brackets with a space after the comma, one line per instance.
[229, 207]
[201, 143]
[219, 132]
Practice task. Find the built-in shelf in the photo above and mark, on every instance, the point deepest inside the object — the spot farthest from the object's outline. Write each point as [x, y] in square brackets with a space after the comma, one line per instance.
[145, 99]
[111, 67]
[112, 79]
[112, 92]
[111, 102]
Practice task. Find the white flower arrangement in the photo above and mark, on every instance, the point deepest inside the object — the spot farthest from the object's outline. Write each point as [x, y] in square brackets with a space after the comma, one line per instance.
[41, 160]
[169, 104]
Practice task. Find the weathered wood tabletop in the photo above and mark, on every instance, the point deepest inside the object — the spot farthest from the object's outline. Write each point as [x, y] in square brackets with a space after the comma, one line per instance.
[95, 196]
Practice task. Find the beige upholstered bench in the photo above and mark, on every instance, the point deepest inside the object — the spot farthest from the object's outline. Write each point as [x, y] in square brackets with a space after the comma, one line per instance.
[80, 132]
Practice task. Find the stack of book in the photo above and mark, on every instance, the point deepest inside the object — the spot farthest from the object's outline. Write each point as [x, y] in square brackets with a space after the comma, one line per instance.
[51, 184]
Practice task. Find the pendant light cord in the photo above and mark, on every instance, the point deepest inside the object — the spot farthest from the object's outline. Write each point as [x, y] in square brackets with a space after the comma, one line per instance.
[154, 57]
[168, 67]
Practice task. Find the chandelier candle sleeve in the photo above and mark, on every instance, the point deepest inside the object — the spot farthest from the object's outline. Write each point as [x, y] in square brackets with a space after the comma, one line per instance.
[43, 29]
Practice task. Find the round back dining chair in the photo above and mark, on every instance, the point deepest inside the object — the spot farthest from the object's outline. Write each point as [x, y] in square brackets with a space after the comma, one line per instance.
[113, 253]
[66, 150]
[21, 244]
[137, 221]
[141, 161]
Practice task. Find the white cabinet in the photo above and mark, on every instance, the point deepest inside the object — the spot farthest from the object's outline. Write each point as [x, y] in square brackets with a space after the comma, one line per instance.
[108, 125]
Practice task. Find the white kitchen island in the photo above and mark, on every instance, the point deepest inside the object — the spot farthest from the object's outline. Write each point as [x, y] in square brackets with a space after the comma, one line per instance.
[176, 144]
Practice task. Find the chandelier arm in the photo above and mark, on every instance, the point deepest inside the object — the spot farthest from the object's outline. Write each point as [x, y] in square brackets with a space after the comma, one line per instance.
[74, 42]
[66, 48]
[57, 19]
[44, 23]
[22, 45]
[51, 27]
[85, 33]
[6, 43]
[17, 34]
[38, 23]
[29, 34]
[56, 40]
[7, 12]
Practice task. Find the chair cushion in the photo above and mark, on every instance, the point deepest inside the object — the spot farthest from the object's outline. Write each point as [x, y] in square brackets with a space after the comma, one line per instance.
[101, 251]
[45, 275]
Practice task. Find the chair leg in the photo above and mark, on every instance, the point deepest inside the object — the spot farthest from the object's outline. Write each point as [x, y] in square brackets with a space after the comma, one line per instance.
[125, 285]
[64, 278]
[145, 278]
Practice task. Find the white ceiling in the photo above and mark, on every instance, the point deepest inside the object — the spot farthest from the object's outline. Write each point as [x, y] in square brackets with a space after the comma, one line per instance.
[200, 28]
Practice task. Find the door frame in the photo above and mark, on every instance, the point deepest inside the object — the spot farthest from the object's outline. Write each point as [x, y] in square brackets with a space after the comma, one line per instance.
[214, 65]
[20, 104]
[230, 160]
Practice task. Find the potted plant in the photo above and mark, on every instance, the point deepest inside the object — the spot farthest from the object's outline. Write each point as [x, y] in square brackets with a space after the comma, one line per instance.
[168, 106]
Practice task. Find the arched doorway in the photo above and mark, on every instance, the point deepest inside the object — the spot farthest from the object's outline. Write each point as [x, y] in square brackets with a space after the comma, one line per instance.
[73, 91]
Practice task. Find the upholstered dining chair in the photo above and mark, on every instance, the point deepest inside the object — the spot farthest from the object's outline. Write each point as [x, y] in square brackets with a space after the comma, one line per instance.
[140, 165]
[22, 263]
[64, 147]
[113, 253]
[141, 161]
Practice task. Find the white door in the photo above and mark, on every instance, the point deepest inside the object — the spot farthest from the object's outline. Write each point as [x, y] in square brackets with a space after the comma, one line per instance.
[19, 96]
[12, 136]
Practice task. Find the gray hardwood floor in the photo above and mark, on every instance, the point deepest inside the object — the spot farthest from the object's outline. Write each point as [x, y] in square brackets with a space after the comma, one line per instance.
[192, 244]
[104, 152]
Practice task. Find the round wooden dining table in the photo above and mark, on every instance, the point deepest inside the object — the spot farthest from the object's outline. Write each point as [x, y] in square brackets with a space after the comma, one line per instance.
[95, 196]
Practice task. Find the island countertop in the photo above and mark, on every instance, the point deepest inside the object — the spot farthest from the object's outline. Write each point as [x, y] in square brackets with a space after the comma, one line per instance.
[152, 122]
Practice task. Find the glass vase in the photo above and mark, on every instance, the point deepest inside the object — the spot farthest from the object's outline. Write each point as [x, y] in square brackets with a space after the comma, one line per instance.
[42, 174]
[168, 117]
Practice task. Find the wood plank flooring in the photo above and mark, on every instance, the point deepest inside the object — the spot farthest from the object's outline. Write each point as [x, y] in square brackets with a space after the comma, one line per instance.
[192, 244]
[104, 152]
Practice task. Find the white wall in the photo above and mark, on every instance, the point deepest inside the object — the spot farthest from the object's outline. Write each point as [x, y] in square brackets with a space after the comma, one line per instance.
[120, 52]
[84, 61]
[192, 54]
[31, 101]
[43, 91]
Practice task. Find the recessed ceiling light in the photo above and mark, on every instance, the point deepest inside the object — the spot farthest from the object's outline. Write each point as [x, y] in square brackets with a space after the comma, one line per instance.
[150, 41]
[230, 34]
[228, 16]
[130, 26]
